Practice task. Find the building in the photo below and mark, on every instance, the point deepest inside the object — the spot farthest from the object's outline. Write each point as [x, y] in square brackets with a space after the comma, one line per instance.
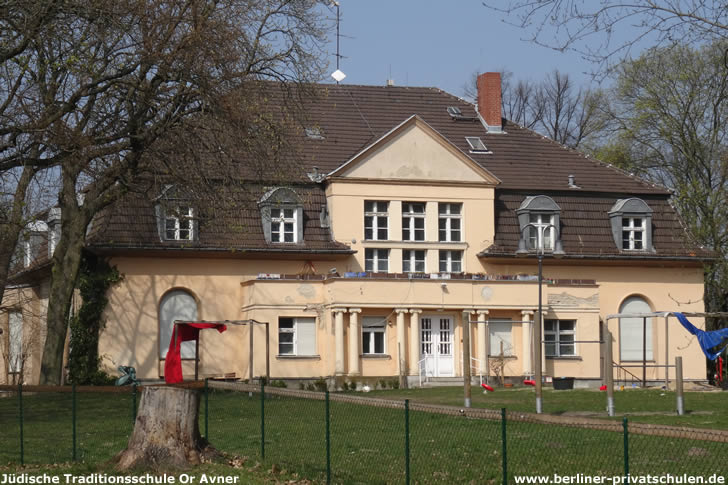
[410, 212]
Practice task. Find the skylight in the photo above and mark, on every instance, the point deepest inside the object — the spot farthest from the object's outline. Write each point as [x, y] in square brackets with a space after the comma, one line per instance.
[314, 133]
[454, 111]
[476, 144]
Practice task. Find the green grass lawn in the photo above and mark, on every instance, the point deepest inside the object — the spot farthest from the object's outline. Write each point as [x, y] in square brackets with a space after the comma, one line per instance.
[703, 409]
[367, 443]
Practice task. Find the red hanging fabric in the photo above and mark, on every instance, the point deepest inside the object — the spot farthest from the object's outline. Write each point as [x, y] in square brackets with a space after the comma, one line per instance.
[183, 332]
[720, 369]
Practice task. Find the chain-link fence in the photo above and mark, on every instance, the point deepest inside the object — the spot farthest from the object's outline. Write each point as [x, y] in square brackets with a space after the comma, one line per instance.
[348, 438]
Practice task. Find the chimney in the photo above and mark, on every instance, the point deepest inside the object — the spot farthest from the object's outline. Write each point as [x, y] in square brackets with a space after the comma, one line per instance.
[489, 101]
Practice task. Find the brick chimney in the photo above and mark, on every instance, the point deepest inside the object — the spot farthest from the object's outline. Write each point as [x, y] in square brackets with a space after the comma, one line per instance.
[489, 100]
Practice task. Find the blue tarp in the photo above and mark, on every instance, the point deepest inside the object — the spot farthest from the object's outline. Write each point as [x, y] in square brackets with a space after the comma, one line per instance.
[712, 343]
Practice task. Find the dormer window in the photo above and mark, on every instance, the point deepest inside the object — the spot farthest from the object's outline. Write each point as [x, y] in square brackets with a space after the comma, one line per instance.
[282, 216]
[631, 221]
[541, 232]
[539, 224]
[283, 224]
[179, 224]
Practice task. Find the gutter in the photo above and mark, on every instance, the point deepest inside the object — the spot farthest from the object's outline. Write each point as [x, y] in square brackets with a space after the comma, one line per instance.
[222, 250]
[610, 257]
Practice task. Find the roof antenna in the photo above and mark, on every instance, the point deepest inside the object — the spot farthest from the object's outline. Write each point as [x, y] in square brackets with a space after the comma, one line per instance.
[337, 74]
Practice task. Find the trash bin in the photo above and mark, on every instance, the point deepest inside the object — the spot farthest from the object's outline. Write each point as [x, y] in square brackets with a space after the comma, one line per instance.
[563, 383]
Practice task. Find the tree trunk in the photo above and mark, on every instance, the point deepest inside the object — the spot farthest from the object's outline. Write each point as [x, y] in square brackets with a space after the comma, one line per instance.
[166, 432]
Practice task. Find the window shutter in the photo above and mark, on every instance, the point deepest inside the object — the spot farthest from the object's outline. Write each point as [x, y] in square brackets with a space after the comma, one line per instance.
[500, 331]
[306, 336]
[16, 341]
[630, 330]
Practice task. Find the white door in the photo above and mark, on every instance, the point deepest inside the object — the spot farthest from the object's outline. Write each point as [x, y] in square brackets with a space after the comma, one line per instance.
[436, 337]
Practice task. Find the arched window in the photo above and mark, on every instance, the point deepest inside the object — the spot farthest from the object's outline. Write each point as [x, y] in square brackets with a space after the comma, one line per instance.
[635, 330]
[176, 305]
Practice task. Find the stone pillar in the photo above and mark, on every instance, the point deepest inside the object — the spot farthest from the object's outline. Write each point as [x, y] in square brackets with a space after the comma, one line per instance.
[401, 349]
[354, 333]
[527, 342]
[339, 339]
[483, 341]
[414, 341]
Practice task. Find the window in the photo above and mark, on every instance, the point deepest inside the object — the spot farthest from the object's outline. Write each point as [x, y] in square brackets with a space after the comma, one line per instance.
[631, 221]
[633, 233]
[634, 331]
[542, 228]
[451, 261]
[449, 222]
[413, 221]
[413, 261]
[476, 144]
[176, 305]
[179, 225]
[282, 216]
[283, 224]
[538, 220]
[376, 220]
[559, 338]
[376, 260]
[373, 333]
[15, 338]
[296, 336]
[499, 336]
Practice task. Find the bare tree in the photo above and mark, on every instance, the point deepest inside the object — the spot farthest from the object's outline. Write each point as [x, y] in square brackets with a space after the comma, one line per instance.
[93, 88]
[555, 107]
[671, 109]
[606, 32]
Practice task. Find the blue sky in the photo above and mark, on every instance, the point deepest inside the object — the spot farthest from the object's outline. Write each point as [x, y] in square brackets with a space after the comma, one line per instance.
[438, 43]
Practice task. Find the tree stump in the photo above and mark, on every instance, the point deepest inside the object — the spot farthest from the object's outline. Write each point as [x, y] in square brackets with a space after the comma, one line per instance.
[166, 431]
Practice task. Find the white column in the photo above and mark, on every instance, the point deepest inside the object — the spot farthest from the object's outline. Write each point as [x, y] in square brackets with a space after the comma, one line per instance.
[401, 349]
[527, 342]
[339, 339]
[414, 341]
[354, 333]
[483, 341]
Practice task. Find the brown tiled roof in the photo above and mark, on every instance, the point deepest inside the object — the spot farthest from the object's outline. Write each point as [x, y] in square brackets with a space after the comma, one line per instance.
[353, 117]
[234, 226]
[586, 230]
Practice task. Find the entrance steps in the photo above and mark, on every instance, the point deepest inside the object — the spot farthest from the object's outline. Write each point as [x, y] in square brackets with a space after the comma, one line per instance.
[446, 382]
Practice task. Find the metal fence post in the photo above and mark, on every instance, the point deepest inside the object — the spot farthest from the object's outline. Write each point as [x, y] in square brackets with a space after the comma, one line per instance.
[73, 418]
[133, 404]
[503, 440]
[328, 439]
[262, 419]
[20, 405]
[207, 407]
[625, 427]
[406, 442]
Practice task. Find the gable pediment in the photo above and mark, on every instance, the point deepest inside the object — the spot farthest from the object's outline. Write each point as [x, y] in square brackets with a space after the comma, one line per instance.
[414, 152]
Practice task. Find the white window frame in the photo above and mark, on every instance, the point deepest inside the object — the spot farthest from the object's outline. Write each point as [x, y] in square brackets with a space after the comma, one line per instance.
[629, 231]
[279, 236]
[187, 218]
[374, 326]
[557, 333]
[409, 221]
[535, 232]
[447, 257]
[476, 144]
[630, 331]
[374, 211]
[410, 260]
[446, 215]
[374, 258]
[299, 344]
